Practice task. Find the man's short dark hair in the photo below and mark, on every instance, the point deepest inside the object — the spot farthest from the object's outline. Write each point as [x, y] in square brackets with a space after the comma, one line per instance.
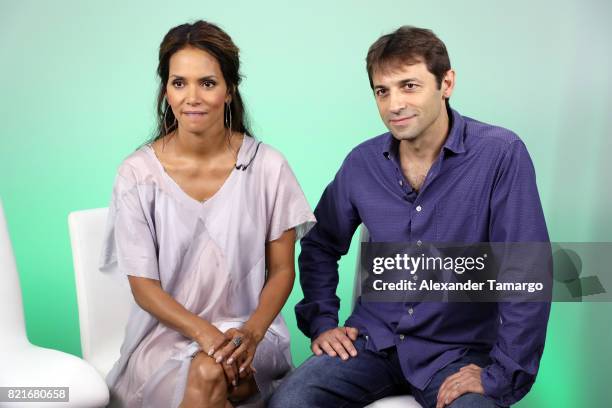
[409, 45]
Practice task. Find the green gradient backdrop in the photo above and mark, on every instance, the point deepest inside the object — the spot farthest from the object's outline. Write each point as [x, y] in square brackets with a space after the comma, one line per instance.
[78, 82]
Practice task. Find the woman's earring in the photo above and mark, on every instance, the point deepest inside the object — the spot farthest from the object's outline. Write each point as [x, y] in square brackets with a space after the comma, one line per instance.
[173, 125]
[228, 115]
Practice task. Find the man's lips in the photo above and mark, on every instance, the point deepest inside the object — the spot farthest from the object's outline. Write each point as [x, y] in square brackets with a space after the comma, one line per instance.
[401, 121]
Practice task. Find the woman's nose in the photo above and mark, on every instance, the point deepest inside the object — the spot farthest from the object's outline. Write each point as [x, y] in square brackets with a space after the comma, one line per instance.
[193, 97]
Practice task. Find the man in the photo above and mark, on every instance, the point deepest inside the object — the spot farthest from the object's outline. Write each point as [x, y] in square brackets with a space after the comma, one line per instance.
[438, 177]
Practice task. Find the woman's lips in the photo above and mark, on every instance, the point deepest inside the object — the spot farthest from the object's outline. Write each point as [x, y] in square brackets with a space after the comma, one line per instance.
[194, 114]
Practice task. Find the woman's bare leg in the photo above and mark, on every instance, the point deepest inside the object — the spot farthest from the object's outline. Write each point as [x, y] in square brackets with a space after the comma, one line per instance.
[246, 388]
[206, 384]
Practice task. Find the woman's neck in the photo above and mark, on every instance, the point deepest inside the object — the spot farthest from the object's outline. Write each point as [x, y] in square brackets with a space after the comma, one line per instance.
[187, 144]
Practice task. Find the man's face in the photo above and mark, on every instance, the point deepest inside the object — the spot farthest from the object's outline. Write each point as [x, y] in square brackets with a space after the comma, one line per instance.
[409, 100]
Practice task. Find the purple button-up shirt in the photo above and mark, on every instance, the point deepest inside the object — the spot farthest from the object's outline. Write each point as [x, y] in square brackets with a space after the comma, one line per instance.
[481, 188]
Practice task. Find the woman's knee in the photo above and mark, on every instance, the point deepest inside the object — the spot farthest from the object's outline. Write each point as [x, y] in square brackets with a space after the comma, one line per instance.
[205, 382]
[206, 379]
[206, 371]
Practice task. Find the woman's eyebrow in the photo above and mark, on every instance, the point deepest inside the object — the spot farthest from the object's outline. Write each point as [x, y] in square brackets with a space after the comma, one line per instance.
[199, 79]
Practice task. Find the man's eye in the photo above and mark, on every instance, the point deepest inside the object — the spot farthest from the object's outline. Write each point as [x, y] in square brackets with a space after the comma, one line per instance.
[380, 92]
[411, 85]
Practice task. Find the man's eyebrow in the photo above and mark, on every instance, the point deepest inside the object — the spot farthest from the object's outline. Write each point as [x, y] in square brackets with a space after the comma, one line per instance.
[400, 82]
[407, 80]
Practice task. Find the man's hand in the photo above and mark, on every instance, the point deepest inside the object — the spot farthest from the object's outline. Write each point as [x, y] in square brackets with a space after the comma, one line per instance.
[336, 342]
[462, 382]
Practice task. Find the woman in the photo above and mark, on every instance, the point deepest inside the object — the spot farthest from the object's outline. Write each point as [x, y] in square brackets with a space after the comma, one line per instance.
[203, 221]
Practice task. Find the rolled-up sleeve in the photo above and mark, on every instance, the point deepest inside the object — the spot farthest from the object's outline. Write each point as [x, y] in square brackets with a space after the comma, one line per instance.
[322, 247]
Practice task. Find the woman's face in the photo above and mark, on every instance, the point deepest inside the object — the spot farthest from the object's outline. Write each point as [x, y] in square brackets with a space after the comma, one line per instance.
[196, 91]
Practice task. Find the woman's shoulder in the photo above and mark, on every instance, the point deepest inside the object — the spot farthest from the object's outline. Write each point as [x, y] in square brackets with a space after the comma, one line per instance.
[139, 167]
[271, 158]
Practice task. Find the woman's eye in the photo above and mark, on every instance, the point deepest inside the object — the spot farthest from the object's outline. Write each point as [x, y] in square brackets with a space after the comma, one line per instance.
[208, 84]
[177, 84]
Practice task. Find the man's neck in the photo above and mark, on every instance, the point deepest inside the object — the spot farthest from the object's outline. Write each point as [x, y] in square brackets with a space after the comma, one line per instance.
[426, 147]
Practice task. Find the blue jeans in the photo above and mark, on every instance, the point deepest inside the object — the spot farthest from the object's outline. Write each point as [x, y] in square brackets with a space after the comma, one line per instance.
[324, 381]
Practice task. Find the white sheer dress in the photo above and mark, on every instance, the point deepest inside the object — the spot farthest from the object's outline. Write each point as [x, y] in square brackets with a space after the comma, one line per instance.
[210, 256]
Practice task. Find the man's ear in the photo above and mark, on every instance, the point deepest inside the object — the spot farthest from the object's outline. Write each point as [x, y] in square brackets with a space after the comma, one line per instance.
[448, 84]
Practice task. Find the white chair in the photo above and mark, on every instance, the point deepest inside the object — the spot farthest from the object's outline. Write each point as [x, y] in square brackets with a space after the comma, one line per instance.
[23, 364]
[104, 304]
[397, 401]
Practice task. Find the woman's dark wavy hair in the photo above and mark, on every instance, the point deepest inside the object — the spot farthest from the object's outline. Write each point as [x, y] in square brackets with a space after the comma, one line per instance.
[218, 43]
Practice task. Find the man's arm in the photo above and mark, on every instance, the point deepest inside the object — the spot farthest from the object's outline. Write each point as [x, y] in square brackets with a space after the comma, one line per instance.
[516, 216]
[322, 247]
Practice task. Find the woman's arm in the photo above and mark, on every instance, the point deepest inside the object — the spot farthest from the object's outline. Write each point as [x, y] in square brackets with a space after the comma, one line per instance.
[152, 298]
[280, 263]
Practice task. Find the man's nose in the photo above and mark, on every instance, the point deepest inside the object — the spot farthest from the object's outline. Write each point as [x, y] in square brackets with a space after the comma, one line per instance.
[397, 103]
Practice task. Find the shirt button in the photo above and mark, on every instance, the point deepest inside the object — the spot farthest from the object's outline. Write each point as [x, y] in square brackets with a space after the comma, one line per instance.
[419, 243]
[401, 183]
[410, 311]
[419, 208]
[366, 337]
[401, 336]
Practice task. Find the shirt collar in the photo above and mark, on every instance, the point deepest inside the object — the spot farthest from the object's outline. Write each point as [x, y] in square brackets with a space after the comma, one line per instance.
[454, 141]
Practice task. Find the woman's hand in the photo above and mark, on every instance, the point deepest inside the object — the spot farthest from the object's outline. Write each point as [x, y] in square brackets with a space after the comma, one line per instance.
[211, 339]
[240, 347]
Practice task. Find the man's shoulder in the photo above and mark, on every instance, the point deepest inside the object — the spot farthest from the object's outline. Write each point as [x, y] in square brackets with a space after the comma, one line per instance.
[369, 147]
[485, 135]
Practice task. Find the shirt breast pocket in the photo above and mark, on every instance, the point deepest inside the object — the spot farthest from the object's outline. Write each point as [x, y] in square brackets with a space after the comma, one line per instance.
[456, 221]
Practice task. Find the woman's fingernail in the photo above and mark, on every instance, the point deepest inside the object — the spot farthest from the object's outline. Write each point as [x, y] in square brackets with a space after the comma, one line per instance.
[234, 383]
[241, 369]
[211, 351]
[230, 360]
[219, 359]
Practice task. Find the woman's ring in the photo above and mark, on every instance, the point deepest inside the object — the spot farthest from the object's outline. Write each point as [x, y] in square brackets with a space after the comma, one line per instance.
[237, 341]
